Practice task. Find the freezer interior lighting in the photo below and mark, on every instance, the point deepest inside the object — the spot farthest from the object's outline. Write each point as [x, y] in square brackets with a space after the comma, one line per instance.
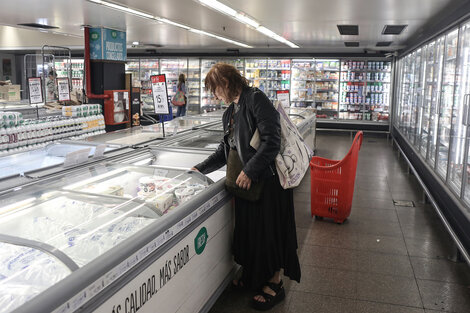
[243, 18]
[126, 9]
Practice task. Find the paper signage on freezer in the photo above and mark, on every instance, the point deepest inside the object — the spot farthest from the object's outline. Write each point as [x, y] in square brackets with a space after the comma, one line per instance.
[63, 88]
[35, 90]
[107, 44]
[159, 94]
[283, 97]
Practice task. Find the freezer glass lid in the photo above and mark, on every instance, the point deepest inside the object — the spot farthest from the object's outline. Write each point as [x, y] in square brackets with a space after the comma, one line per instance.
[68, 228]
[162, 189]
[128, 137]
[305, 112]
[51, 155]
[26, 272]
[201, 139]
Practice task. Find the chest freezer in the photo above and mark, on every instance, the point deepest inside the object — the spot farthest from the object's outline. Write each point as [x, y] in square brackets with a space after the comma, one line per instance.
[78, 241]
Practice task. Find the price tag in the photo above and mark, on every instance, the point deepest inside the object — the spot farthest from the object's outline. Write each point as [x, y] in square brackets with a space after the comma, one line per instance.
[99, 151]
[35, 90]
[283, 97]
[159, 94]
[63, 88]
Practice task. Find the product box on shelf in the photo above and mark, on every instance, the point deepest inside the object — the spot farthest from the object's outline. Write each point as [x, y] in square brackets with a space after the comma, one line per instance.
[10, 93]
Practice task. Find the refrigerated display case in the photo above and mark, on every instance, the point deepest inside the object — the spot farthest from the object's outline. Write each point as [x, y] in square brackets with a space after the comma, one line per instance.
[88, 240]
[326, 88]
[446, 102]
[256, 73]
[148, 68]
[172, 68]
[377, 92]
[303, 83]
[193, 87]
[440, 153]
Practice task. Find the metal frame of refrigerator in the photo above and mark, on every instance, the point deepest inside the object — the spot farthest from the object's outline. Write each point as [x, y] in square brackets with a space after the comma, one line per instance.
[440, 160]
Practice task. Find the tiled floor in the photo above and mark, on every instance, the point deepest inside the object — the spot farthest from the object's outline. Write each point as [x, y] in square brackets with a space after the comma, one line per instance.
[384, 258]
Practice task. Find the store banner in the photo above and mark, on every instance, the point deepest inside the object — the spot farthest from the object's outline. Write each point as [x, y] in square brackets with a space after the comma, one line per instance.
[107, 44]
[283, 97]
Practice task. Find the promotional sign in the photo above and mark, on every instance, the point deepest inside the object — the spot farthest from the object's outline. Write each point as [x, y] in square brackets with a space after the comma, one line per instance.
[35, 90]
[283, 97]
[107, 44]
[159, 94]
[63, 88]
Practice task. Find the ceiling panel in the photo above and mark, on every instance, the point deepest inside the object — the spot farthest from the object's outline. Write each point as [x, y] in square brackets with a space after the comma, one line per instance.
[310, 24]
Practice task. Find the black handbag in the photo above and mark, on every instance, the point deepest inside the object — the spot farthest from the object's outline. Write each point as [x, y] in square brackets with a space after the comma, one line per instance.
[234, 167]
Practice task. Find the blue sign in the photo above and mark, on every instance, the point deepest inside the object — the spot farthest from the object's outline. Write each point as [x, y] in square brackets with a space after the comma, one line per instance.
[107, 44]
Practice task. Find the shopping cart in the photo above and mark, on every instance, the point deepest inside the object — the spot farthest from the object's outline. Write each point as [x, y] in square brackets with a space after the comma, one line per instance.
[332, 184]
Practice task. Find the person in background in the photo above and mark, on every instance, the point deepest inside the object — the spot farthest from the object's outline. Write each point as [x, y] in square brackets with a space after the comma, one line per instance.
[51, 86]
[181, 110]
[264, 240]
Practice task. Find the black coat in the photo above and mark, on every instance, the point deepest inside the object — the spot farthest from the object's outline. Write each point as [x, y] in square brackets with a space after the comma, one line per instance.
[256, 112]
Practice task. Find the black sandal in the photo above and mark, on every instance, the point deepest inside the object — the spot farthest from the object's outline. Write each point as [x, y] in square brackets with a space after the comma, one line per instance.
[270, 301]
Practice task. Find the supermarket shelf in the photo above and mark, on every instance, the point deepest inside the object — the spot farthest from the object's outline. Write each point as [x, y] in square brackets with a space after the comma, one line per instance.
[329, 69]
[378, 81]
[327, 80]
[326, 90]
[326, 100]
[299, 100]
[278, 69]
[304, 80]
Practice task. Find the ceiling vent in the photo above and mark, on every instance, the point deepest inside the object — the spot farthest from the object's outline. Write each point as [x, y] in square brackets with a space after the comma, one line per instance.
[383, 43]
[348, 29]
[351, 43]
[393, 29]
[36, 25]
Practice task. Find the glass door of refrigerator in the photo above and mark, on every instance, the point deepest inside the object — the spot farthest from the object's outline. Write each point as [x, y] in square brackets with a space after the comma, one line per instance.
[418, 95]
[435, 101]
[352, 99]
[428, 88]
[256, 73]
[193, 87]
[377, 93]
[404, 115]
[413, 106]
[327, 87]
[133, 67]
[463, 99]
[277, 77]
[447, 100]
[303, 84]
[148, 67]
[458, 145]
[172, 68]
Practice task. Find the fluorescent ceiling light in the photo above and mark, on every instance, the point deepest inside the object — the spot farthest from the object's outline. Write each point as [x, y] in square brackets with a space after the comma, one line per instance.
[243, 18]
[246, 20]
[167, 21]
[222, 7]
[135, 43]
[201, 32]
[216, 5]
[123, 8]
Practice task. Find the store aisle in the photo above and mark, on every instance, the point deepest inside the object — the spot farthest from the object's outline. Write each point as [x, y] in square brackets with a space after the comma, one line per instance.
[385, 258]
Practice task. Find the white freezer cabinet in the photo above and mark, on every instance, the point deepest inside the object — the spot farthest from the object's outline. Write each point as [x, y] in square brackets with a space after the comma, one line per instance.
[76, 242]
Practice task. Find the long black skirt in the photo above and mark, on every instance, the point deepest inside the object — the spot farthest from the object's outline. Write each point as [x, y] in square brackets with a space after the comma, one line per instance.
[265, 239]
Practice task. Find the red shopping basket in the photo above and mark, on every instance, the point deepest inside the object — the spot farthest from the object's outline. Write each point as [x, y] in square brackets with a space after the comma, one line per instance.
[332, 183]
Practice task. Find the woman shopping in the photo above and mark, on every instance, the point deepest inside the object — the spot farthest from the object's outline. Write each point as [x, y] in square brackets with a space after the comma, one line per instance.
[264, 240]
[180, 100]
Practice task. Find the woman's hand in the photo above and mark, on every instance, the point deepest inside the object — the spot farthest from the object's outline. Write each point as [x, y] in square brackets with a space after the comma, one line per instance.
[194, 169]
[243, 181]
